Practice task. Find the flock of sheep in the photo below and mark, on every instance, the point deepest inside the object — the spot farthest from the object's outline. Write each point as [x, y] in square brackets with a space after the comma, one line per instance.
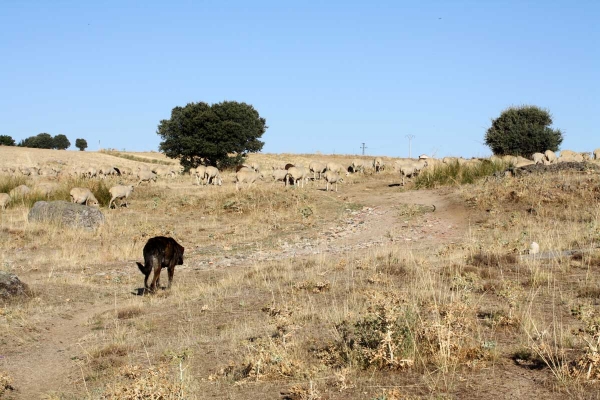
[247, 174]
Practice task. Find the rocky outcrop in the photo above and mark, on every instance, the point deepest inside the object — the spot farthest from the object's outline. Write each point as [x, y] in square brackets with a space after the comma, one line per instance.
[67, 214]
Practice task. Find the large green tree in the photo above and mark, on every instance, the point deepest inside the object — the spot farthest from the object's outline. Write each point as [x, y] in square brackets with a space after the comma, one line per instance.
[81, 144]
[61, 142]
[6, 140]
[40, 141]
[220, 134]
[522, 131]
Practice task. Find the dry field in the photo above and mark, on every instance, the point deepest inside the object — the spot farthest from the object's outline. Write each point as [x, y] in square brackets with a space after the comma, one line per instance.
[295, 294]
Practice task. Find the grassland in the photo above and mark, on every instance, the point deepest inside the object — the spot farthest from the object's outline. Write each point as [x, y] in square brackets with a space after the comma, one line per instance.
[306, 294]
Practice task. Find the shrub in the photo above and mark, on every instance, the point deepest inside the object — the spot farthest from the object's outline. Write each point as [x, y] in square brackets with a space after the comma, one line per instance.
[522, 131]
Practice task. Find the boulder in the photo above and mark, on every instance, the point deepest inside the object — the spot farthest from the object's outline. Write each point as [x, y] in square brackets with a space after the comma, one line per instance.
[11, 287]
[67, 214]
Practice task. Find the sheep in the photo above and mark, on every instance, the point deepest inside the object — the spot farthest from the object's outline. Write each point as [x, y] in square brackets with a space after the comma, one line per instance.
[4, 200]
[337, 168]
[105, 171]
[199, 172]
[119, 192]
[146, 176]
[19, 191]
[570, 156]
[550, 156]
[378, 164]
[317, 167]
[357, 166]
[331, 178]
[46, 188]
[246, 175]
[279, 175]
[91, 172]
[83, 196]
[410, 169]
[279, 165]
[253, 165]
[295, 174]
[213, 175]
[538, 158]
[586, 156]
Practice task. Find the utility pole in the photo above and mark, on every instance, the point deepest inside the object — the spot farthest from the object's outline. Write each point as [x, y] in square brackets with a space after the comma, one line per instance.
[409, 137]
[363, 149]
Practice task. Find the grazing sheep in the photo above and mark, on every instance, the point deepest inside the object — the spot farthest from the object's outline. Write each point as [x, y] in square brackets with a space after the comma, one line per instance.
[295, 174]
[586, 155]
[91, 172]
[4, 200]
[279, 165]
[332, 178]
[46, 188]
[550, 156]
[357, 166]
[317, 167]
[19, 191]
[254, 165]
[596, 154]
[410, 169]
[378, 164]
[146, 176]
[247, 175]
[199, 172]
[83, 196]
[213, 176]
[337, 168]
[47, 171]
[538, 158]
[119, 192]
[570, 156]
[279, 175]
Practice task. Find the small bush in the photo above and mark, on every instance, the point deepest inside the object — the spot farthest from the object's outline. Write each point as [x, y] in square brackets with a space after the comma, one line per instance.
[458, 174]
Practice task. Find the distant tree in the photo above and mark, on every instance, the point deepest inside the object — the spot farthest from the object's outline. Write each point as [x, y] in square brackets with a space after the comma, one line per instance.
[81, 144]
[61, 142]
[522, 131]
[6, 140]
[220, 134]
[41, 141]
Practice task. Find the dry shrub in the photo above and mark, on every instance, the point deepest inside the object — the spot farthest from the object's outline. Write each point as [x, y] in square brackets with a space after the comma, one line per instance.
[5, 384]
[490, 259]
[137, 383]
[588, 365]
[108, 357]
[129, 312]
[300, 392]
[314, 287]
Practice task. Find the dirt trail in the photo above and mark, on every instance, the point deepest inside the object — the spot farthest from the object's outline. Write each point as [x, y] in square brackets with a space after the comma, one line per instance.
[48, 365]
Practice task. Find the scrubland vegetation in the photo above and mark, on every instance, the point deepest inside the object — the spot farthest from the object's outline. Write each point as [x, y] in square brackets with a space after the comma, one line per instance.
[252, 314]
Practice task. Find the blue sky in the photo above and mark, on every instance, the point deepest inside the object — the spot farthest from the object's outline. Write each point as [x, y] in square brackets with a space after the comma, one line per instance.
[327, 76]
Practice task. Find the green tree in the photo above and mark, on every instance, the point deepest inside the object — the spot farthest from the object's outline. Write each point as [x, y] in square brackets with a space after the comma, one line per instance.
[81, 144]
[61, 142]
[41, 141]
[220, 134]
[522, 131]
[6, 140]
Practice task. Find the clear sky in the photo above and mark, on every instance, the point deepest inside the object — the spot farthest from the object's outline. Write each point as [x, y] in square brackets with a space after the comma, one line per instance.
[326, 75]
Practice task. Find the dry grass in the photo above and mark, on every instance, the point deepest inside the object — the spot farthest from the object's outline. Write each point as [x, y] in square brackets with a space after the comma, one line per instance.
[384, 322]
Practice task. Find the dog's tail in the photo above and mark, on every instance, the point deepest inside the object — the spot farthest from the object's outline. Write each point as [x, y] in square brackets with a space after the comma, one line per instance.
[145, 270]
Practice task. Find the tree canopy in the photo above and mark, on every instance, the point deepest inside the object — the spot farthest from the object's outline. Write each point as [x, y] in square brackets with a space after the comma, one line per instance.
[61, 142]
[81, 144]
[522, 131]
[220, 134]
[40, 141]
[6, 140]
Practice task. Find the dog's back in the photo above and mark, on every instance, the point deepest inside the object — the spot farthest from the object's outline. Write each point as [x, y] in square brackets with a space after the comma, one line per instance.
[161, 252]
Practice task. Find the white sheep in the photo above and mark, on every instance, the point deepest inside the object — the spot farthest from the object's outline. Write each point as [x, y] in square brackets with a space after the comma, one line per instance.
[596, 154]
[570, 156]
[410, 169]
[19, 191]
[550, 156]
[337, 168]
[317, 167]
[146, 176]
[4, 200]
[199, 172]
[213, 176]
[358, 165]
[119, 192]
[332, 178]
[295, 174]
[83, 196]
[247, 175]
[279, 175]
[378, 164]
[538, 158]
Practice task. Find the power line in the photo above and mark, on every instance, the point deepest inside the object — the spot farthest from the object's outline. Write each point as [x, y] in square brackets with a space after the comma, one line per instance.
[363, 149]
[409, 137]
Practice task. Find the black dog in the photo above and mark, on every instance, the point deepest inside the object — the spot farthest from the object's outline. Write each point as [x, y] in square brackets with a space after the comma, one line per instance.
[160, 252]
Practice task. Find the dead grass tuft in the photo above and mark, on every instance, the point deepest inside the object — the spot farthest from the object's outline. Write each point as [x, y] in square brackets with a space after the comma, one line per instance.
[135, 383]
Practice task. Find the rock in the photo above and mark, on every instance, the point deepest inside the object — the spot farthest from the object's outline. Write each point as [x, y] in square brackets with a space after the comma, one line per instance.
[68, 214]
[11, 287]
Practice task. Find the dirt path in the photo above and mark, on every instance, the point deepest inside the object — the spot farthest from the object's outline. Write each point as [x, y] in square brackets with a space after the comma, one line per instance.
[48, 365]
